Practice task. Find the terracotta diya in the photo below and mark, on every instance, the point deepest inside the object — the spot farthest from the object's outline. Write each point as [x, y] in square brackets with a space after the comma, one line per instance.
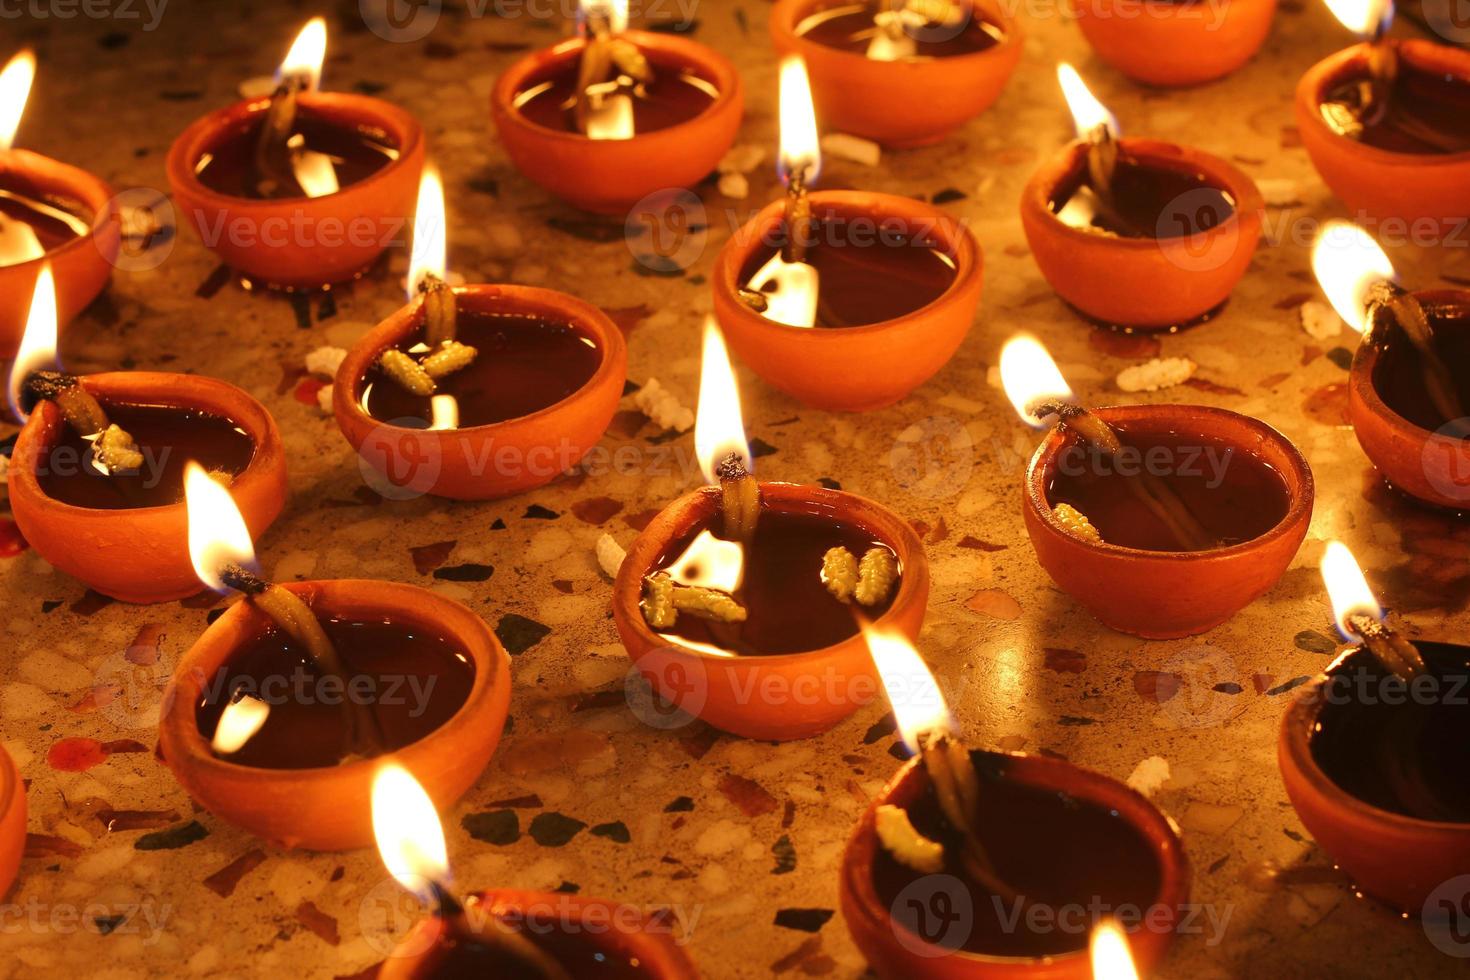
[904, 74]
[1387, 122]
[1138, 233]
[1409, 388]
[741, 602]
[845, 300]
[96, 478]
[1374, 751]
[49, 213]
[12, 821]
[505, 932]
[480, 391]
[1172, 43]
[983, 837]
[281, 712]
[1163, 520]
[604, 119]
[303, 188]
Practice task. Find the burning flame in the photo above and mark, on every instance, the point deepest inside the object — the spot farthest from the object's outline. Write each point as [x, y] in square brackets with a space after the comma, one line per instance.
[428, 252]
[1347, 587]
[799, 148]
[719, 428]
[1087, 112]
[409, 834]
[1348, 263]
[308, 51]
[614, 13]
[38, 343]
[710, 562]
[1365, 18]
[918, 705]
[217, 533]
[1029, 375]
[15, 88]
[1111, 958]
[238, 724]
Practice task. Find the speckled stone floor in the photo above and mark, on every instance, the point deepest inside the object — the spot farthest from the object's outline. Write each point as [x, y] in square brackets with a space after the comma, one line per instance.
[730, 831]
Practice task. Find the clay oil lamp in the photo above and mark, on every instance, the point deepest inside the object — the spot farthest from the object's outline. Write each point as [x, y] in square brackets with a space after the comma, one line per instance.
[505, 932]
[303, 188]
[280, 713]
[49, 213]
[1163, 520]
[604, 119]
[479, 391]
[97, 475]
[1387, 122]
[1013, 840]
[1375, 749]
[1137, 233]
[845, 300]
[12, 821]
[1175, 42]
[1409, 388]
[900, 72]
[741, 602]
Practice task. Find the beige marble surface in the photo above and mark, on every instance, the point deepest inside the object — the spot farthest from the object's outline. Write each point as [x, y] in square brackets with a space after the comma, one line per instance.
[111, 98]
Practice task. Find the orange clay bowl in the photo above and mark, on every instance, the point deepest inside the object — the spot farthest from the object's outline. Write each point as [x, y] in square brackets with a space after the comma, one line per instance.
[852, 369]
[1145, 283]
[141, 554]
[1426, 465]
[1394, 857]
[302, 242]
[610, 176]
[330, 809]
[1161, 43]
[483, 462]
[1378, 184]
[12, 821]
[81, 266]
[898, 103]
[876, 933]
[1166, 594]
[779, 697]
[622, 930]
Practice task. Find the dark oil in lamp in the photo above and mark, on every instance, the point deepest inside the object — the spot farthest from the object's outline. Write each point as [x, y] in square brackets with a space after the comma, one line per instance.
[524, 363]
[789, 606]
[674, 95]
[461, 952]
[1399, 375]
[1399, 745]
[167, 437]
[1148, 200]
[230, 164]
[406, 680]
[1415, 111]
[1055, 850]
[1233, 495]
[869, 268]
[935, 29]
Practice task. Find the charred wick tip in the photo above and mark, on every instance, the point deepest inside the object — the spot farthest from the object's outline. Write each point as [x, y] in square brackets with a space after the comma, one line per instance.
[445, 904]
[242, 579]
[732, 467]
[44, 386]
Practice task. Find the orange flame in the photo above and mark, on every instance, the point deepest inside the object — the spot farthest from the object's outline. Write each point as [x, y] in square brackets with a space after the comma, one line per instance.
[1029, 375]
[1347, 587]
[38, 343]
[1348, 263]
[15, 89]
[217, 532]
[409, 835]
[1087, 112]
[1111, 958]
[918, 704]
[308, 51]
[719, 428]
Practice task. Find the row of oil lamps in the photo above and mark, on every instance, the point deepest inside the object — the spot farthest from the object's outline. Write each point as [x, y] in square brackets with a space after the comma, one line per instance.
[145, 554]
